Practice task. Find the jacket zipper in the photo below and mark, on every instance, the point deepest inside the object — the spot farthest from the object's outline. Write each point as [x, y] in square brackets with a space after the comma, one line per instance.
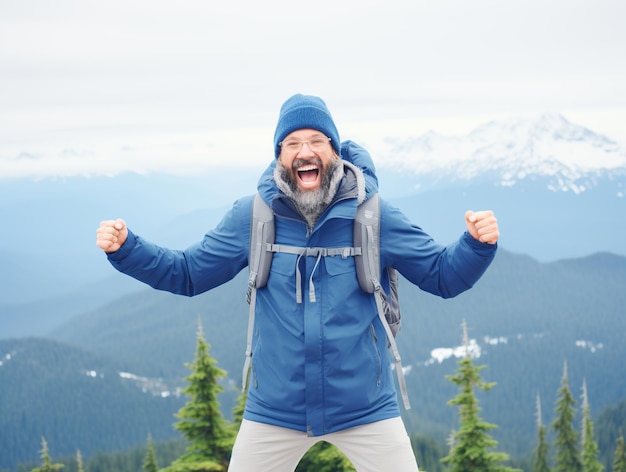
[375, 342]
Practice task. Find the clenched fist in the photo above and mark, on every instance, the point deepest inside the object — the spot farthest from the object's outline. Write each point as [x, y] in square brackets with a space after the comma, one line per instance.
[483, 226]
[111, 235]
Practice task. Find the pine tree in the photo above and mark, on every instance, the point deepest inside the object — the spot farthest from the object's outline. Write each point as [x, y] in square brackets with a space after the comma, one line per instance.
[540, 462]
[589, 444]
[79, 462]
[567, 453]
[238, 411]
[471, 444]
[47, 466]
[201, 421]
[324, 457]
[619, 460]
[150, 461]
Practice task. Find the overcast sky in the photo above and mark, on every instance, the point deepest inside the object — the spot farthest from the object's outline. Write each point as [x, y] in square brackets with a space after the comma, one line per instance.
[103, 87]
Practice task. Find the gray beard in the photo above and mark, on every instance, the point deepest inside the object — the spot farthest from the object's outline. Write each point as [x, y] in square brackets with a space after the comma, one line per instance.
[311, 203]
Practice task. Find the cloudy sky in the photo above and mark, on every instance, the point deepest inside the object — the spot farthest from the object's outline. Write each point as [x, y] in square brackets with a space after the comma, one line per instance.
[92, 87]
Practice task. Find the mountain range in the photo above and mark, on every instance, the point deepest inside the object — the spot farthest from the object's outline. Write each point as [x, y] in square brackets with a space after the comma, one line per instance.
[569, 157]
[554, 294]
[526, 321]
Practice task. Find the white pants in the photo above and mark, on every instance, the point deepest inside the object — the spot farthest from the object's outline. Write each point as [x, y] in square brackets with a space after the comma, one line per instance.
[377, 447]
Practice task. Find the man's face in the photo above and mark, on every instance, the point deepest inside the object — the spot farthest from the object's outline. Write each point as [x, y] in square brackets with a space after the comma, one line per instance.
[306, 154]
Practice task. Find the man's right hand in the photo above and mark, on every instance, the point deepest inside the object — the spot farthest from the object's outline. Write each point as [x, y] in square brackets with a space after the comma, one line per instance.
[111, 235]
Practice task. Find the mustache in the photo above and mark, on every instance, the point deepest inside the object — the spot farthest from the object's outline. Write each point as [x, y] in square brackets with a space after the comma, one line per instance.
[299, 162]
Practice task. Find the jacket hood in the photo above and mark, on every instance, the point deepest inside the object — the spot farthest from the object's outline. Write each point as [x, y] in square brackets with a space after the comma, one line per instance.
[357, 161]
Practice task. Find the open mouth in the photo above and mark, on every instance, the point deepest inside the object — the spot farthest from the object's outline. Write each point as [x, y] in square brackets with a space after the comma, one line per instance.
[308, 173]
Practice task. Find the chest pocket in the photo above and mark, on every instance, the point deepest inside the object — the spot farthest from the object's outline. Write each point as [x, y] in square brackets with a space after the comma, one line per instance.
[284, 264]
[338, 265]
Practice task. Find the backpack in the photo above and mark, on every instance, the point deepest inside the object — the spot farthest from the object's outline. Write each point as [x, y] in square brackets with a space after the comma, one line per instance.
[366, 253]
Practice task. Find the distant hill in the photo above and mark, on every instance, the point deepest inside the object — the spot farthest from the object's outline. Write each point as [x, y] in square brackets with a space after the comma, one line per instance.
[76, 399]
[527, 319]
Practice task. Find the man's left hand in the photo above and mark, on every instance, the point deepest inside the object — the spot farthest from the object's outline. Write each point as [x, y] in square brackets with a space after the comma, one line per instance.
[483, 226]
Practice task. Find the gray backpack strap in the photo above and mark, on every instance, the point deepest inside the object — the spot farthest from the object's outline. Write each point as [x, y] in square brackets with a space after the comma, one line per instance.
[367, 236]
[261, 234]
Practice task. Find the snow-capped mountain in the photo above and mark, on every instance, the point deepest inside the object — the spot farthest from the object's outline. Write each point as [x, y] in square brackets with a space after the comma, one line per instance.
[569, 157]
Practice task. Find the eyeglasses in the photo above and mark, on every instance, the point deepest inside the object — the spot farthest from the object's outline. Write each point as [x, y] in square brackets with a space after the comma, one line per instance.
[316, 143]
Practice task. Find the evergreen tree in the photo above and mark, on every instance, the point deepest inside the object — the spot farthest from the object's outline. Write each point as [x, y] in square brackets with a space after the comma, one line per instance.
[471, 444]
[589, 444]
[47, 465]
[324, 457]
[79, 462]
[619, 461]
[540, 461]
[238, 411]
[567, 454]
[201, 421]
[150, 462]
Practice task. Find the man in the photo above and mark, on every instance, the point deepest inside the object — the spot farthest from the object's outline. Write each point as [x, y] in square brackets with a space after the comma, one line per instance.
[319, 365]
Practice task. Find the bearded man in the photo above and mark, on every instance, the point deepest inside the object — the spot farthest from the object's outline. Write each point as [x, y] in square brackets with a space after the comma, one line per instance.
[320, 367]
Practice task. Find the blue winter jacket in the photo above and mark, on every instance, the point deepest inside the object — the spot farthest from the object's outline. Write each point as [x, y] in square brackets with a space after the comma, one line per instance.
[321, 365]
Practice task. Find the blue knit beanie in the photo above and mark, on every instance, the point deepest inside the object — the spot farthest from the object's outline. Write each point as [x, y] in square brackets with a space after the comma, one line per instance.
[305, 111]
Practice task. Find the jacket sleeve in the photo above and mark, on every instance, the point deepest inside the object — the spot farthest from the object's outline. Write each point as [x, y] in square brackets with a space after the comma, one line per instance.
[442, 270]
[216, 259]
